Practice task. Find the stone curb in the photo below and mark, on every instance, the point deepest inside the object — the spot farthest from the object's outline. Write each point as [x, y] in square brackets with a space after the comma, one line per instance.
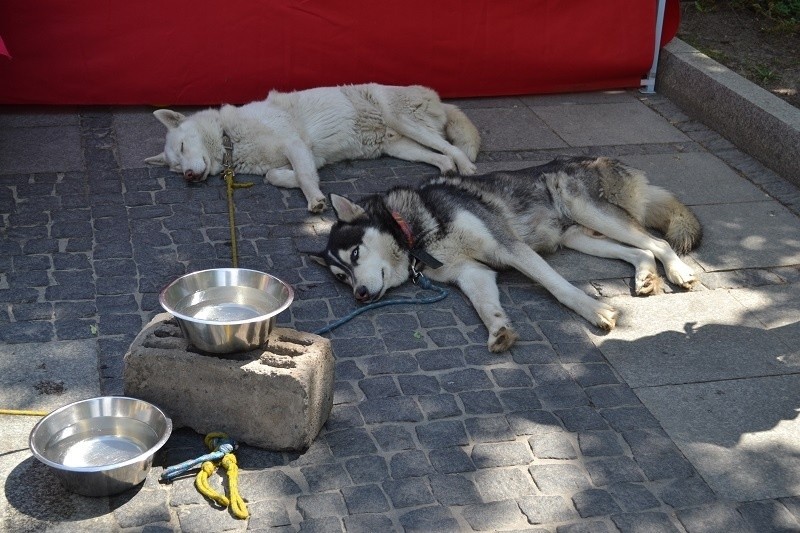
[752, 118]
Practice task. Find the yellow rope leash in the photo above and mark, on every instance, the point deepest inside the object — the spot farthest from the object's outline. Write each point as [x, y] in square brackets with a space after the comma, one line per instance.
[229, 176]
[228, 462]
[22, 412]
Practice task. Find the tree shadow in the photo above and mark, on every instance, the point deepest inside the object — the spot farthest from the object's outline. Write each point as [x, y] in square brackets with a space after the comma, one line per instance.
[729, 397]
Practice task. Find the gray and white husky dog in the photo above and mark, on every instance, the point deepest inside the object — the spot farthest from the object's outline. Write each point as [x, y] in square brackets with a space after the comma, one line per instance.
[288, 136]
[473, 226]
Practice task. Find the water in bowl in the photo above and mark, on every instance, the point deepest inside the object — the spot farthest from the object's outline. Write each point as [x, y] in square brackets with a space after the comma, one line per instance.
[100, 441]
[227, 304]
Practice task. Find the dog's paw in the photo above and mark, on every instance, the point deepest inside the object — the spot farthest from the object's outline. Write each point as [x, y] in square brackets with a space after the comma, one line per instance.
[606, 317]
[648, 284]
[682, 275]
[317, 205]
[502, 339]
[467, 168]
[447, 167]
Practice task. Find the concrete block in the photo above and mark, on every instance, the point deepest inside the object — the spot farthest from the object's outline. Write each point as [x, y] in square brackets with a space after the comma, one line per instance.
[752, 118]
[277, 398]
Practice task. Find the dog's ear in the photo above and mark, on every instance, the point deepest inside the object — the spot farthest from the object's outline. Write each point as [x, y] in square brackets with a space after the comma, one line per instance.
[157, 160]
[318, 258]
[346, 211]
[171, 119]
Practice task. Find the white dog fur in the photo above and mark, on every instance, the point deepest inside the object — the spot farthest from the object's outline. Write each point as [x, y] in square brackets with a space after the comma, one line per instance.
[288, 136]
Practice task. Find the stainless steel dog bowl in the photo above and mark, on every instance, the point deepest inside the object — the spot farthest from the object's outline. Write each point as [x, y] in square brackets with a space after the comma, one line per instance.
[101, 446]
[226, 310]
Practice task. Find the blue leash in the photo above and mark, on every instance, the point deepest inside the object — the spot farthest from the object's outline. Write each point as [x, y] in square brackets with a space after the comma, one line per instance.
[424, 282]
[222, 447]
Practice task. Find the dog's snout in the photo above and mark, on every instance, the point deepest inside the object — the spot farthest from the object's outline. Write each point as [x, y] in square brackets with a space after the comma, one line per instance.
[362, 293]
[189, 175]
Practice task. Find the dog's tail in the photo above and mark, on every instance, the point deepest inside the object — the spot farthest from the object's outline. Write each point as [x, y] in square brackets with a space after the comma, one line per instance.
[679, 225]
[461, 131]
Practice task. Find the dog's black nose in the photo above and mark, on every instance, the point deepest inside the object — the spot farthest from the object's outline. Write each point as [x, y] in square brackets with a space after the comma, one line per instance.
[362, 294]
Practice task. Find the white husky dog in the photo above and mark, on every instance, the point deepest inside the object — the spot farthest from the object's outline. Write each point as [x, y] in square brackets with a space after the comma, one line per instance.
[288, 136]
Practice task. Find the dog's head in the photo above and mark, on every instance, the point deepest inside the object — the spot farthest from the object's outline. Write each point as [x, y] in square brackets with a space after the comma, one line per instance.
[361, 253]
[186, 148]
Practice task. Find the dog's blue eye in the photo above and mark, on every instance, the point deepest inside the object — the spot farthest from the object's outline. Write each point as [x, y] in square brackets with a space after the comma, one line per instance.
[354, 254]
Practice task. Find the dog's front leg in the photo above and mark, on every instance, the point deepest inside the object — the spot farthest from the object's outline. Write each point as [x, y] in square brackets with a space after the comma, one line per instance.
[305, 171]
[479, 284]
[523, 258]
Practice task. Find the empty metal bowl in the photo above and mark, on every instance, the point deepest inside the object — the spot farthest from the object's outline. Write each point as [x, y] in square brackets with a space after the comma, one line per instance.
[101, 446]
[226, 310]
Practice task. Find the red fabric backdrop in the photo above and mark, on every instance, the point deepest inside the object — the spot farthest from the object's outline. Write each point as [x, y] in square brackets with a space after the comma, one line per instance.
[207, 52]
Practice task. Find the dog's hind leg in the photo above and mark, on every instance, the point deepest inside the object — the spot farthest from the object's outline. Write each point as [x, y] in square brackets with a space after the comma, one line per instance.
[646, 280]
[628, 231]
[283, 177]
[408, 150]
[407, 127]
[479, 284]
[523, 258]
[305, 171]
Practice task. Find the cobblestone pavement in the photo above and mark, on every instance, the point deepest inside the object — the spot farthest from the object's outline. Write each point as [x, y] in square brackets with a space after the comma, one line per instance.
[429, 431]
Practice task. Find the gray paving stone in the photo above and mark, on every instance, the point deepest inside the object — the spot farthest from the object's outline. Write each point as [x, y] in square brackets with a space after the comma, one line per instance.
[608, 124]
[365, 499]
[763, 238]
[775, 307]
[722, 341]
[657, 455]
[696, 178]
[491, 516]
[595, 502]
[610, 470]
[650, 522]
[724, 428]
[489, 429]
[368, 523]
[584, 527]
[513, 129]
[40, 149]
[547, 509]
[268, 514]
[552, 445]
[454, 489]
[713, 518]
[582, 418]
[321, 505]
[480, 402]
[393, 438]
[442, 434]
[768, 516]
[690, 492]
[633, 497]
[451, 460]
[325, 477]
[426, 519]
[497, 484]
[559, 478]
[328, 524]
[367, 468]
[497, 454]
[599, 443]
[629, 417]
[410, 492]
[28, 374]
[439, 406]
[412, 463]
[533, 422]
